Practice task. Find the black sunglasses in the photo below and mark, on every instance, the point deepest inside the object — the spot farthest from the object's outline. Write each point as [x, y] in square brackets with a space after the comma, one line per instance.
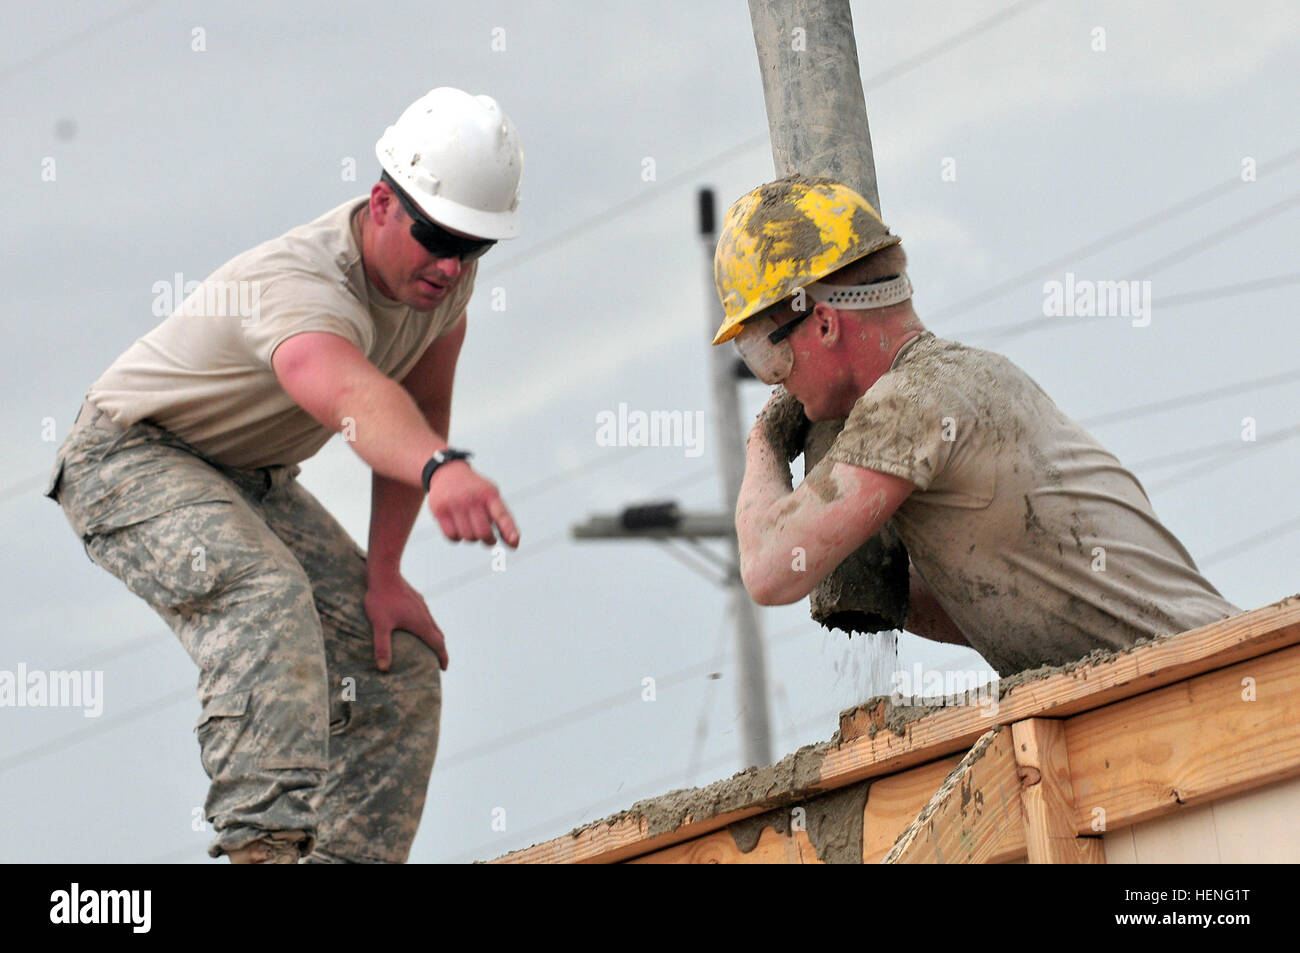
[785, 330]
[435, 239]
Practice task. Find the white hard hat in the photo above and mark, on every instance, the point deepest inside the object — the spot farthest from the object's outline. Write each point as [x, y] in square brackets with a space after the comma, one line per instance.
[458, 157]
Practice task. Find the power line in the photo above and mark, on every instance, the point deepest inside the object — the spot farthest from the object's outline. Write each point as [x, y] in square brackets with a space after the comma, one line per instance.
[1227, 291]
[480, 572]
[21, 488]
[588, 466]
[943, 46]
[63, 741]
[81, 734]
[1187, 400]
[100, 656]
[1251, 542]
[1043, 323]
[692, 562]
[602, 705]
[1161, 303]
[1091, 248]
[701, 733]
[95, 29]
[654, 786]
[1225, 459]
[547, 483]
[692, 174]
[559, 823]
[1215, 449]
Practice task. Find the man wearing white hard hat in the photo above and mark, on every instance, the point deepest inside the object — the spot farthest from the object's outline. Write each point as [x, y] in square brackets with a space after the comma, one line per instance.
[319, 665]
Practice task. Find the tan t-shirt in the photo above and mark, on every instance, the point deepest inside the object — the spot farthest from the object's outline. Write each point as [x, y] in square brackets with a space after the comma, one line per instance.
[205, 371]
[1033, 538]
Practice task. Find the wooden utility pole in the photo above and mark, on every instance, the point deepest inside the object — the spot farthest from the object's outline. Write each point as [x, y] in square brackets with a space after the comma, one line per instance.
[817, 118]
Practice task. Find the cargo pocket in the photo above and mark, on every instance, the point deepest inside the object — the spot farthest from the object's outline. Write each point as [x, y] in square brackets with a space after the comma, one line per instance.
[342, 717]
[219, 728]
[174, 557]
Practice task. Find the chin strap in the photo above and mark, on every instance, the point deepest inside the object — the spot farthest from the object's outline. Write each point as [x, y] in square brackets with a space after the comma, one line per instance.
[878, 294]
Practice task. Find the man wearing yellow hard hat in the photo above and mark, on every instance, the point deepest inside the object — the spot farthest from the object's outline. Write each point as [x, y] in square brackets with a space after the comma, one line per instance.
[1028, 540]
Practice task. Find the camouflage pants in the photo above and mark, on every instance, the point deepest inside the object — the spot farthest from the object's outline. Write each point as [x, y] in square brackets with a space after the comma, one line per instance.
[299, 731]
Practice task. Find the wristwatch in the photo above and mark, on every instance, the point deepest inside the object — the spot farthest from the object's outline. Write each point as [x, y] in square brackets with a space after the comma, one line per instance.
[438, 459]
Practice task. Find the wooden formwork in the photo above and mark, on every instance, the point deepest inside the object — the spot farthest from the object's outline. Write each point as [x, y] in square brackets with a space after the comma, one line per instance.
[1064, 761]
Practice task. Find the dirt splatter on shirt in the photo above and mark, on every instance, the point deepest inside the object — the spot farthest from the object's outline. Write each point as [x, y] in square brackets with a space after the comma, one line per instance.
[1033, 537]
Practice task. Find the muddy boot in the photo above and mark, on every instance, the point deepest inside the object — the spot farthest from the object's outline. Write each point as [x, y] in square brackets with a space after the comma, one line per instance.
[280, 847]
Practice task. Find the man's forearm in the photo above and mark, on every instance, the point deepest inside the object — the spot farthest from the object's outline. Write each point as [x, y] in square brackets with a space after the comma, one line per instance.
[767, 480]
[388, 430]
[394, 506]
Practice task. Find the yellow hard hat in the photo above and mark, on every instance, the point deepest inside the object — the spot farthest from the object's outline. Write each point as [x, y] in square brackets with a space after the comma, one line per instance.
[785, 235]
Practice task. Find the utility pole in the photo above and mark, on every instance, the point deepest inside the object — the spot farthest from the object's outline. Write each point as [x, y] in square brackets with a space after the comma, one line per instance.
[751, 688]
[665, 522]
[817, 119]
[816, 110]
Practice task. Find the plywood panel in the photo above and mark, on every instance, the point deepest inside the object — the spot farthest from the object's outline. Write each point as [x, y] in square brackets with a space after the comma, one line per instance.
[1186, 837]
[894, 802]
[1118, 846]
[1260, 827]
[972, 814]
[1187, 744]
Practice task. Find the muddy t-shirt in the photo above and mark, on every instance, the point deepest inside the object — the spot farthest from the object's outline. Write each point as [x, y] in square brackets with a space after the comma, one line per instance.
[205, 371]
[1038, 544]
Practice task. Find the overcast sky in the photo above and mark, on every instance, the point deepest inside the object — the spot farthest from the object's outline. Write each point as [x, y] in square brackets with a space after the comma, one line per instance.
[173, 159]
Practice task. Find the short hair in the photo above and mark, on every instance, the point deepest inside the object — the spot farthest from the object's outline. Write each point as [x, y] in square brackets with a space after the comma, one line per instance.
[886, 263]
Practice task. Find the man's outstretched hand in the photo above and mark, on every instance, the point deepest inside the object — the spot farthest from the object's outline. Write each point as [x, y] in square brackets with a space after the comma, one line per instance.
[393, 603]
[468, 507]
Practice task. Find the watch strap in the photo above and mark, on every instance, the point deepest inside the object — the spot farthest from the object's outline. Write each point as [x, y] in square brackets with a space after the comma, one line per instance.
[438, 459]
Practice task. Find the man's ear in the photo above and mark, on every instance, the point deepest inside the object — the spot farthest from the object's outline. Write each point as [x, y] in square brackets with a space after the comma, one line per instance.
[829, 324]
[383, 204]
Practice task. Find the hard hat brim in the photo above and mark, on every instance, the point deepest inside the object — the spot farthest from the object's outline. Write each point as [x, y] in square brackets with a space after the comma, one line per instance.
[732, 325]
[449, 214]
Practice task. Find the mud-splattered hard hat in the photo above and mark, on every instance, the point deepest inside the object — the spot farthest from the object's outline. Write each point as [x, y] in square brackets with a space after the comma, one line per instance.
[784, 236]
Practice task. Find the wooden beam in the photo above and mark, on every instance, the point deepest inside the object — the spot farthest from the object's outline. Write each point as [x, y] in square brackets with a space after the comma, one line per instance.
[971, 814]
[1135, 760]
[1091, 686]
[720, 847]
[894, 802]
[951, 730]
[1141, 669]
[1198, 741]
[1047, 797]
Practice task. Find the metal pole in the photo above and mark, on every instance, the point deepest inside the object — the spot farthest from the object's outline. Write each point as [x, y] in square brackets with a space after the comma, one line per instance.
[816, 111]
[817, 119]
[751, 686]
